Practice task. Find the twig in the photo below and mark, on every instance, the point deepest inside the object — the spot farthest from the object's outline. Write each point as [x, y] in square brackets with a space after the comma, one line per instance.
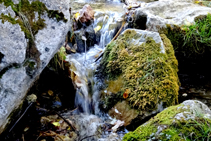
[66, 121]
[21, 116]
[123, 23]
[112, 40]
[73, 110]
[101, 55]
[23, 137]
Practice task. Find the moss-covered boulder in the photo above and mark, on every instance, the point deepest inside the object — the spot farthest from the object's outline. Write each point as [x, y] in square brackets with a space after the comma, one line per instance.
[140, 68]
[188, 121]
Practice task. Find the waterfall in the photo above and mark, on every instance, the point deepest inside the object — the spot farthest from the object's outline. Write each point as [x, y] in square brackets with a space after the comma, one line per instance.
[83, 64]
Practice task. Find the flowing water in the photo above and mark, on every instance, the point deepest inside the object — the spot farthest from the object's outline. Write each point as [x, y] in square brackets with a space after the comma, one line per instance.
[88, 115]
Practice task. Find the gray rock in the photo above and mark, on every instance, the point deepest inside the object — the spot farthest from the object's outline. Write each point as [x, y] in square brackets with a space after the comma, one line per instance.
[90, 35]
[16, 1]
[13, 44]
[142, 34]
[160, 13]
[15, 80]
[6, 10]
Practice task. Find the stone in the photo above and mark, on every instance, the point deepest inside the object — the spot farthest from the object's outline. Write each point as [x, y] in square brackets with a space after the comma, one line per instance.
[90, 36]
[156, 15]
[130, 67]
[86, 14]
[18, 70]
[176, 123]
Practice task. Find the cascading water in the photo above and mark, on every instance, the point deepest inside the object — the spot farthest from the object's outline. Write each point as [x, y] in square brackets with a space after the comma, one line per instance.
[83, 65]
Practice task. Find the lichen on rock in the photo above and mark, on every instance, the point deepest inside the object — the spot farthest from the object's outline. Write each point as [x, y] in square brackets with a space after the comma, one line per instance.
[148, 68]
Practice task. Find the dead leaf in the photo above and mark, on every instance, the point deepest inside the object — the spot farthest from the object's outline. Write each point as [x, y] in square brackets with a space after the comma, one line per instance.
[125, 95]
[50, 92]
[57, 124]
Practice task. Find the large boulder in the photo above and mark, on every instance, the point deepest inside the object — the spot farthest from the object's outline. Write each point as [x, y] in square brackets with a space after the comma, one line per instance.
[140, 68]
[31, 33]
[157, 15]
[190, 120]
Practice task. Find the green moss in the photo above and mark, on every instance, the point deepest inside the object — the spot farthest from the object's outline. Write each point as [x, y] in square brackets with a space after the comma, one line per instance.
[114, 86]
[7, 3]
[193, 39]
[197, 128]
[141, 133]
[164, 118]
[149, 75]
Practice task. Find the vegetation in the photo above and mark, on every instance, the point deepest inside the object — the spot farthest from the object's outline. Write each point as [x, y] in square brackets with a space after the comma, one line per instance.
[58, 61]
[149, 76]
[194, 38]
[173, 129]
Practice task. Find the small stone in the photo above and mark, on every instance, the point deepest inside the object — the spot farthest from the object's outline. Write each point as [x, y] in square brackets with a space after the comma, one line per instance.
[184, 94]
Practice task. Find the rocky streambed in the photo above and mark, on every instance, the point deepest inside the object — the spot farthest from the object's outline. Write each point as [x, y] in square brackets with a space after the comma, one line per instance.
[105, 70]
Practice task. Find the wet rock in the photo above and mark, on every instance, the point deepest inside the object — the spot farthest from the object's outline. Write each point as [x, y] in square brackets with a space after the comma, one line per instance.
[176, 122]
[87, 125]
[89, 33]
[21, 62]
[123, 112]
[202, 94]
[86, 14]
[130, 66]
[158, 14]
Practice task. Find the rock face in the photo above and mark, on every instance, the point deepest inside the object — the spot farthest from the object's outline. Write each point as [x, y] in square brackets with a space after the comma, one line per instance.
[140, 67]
[190, 120]
[154, 16]
[26, 50]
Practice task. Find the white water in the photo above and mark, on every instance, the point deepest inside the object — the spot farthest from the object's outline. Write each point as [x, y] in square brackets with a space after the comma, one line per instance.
[84, 66]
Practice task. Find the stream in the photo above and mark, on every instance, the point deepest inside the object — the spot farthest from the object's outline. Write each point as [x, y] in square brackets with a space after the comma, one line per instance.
[88, 116]
[74, 93]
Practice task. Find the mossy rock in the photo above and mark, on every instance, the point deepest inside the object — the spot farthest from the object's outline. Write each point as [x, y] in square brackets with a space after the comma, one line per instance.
[188, 121]
[140, 67]
[193, 39]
